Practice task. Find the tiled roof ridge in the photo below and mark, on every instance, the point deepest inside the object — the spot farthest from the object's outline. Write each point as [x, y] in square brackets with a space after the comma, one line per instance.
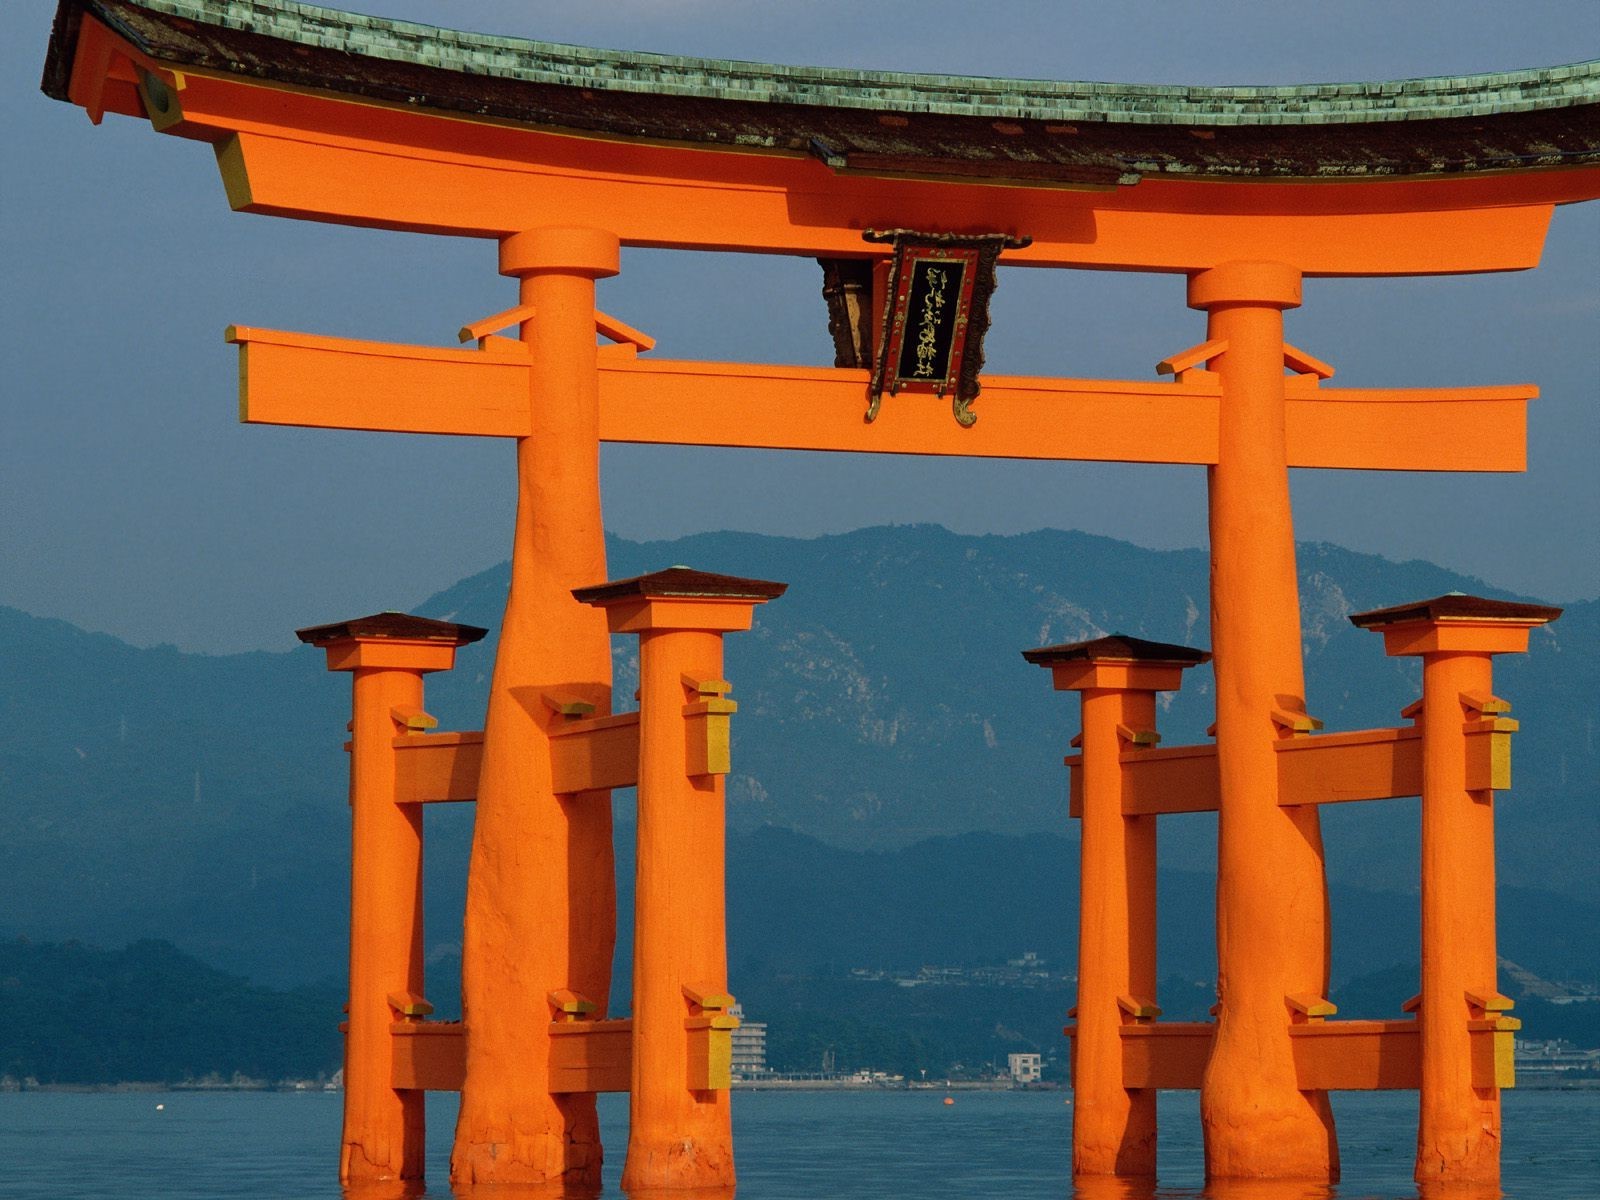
[529, 60]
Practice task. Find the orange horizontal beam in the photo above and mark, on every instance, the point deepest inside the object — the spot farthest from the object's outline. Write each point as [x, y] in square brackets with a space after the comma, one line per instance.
[822, 408]
[1329, 1056]
[385, 170]
[1329, 768]
[299, 153]
[433, 768]
[307, 380]
[428, 1055]
[1408, 429]
[591, 1056]
[585, 1056]
[1169, 1054]
[337, 383]
[1357, 1055]
[594, 753]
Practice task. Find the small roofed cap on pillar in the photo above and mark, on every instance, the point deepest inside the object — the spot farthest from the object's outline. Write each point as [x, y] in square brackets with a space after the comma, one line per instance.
[681, 583]
[1456, 606]
[1118, 648]
[391, 626]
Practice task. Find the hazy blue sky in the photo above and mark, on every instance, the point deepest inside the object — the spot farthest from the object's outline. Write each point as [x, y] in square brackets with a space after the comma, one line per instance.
[132, 501]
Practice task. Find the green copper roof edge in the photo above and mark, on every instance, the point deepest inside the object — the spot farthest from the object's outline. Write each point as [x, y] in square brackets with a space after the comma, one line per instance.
[880, 91]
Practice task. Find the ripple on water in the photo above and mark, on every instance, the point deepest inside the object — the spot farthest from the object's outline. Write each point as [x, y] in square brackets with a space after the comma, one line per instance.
[791, 1146]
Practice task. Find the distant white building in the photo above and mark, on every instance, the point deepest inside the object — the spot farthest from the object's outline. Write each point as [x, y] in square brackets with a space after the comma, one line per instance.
[1025, 1068]
[749, 1046]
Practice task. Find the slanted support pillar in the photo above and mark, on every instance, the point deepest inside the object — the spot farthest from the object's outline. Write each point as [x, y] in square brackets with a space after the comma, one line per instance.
[541, 895]
[387, 655]
[1458, 1130]
[680, 1132]
[1272, 906]
[1114, 1126]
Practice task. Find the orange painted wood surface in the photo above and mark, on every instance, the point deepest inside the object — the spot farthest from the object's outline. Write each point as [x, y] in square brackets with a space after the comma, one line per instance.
[591, 1056]
[1328, 768]
[399, 170]
[429, 1055]
[602, 752]
[437, 767]
[304, 379]
[1168, 1054]
[1355, 1056]
[585, 1056]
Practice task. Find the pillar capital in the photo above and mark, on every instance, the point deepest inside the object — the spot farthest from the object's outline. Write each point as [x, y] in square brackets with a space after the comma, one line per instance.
[592, 252]
[392, 641]
[1117, 663]
[680, 598]
[1272, 284]
[1456, 624]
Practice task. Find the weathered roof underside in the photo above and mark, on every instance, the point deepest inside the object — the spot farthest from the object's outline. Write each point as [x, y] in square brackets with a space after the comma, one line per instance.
[880, 121]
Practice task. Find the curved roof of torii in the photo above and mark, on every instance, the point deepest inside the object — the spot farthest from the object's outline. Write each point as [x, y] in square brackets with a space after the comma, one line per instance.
[885, 123]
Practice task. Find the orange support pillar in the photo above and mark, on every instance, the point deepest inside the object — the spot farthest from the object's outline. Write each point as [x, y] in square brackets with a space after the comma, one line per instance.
[387, 655]
[680, 1133]
[541, 894]
[1114, 1126]
[1272, 906]
[1458, 1131]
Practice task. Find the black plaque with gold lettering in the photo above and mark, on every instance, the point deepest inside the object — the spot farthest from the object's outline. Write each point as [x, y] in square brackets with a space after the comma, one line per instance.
[935, 315]
[928, 323]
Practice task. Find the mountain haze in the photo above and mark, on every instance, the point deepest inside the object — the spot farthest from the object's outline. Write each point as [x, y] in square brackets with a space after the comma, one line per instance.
[883, 702]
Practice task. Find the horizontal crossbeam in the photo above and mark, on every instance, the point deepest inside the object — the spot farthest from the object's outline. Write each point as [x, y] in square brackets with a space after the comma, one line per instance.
[1332, 1056]
[585, 1056]
[428, 1055]
[1330, 768]
[594, 753]
[591, 1056]
[436, 768]
[306, 380]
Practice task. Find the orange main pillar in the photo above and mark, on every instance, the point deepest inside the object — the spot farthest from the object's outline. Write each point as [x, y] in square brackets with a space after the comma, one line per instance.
[1272, 918]
[680, 1132]
[541, 894]
[387, 655]
[1113, 1126]
[1458, 1132]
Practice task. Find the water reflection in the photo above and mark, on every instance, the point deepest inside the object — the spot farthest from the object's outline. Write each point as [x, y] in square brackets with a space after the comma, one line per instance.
[825, 1146]
[1087, 1188]
[1105, 1188]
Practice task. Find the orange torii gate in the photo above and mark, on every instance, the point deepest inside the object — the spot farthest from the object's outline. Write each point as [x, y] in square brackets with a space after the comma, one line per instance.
[562, 155]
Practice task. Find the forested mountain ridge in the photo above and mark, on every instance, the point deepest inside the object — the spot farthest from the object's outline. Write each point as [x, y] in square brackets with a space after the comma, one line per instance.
[882, 702]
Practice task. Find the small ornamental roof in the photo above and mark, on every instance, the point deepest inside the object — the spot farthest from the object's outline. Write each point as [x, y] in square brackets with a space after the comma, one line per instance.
[882, 122]
[1455, 606]
[683, 583]
[1117, 648]
[394, 626]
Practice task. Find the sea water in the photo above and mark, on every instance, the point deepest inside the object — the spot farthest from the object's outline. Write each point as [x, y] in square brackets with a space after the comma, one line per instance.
[852, 1145]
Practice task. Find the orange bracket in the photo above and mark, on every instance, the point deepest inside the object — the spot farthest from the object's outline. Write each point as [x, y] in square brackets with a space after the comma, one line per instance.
[413, 720]
[409, 1006]
[607, 326]
[1185, 361]
[1302, 363]
[709, 726]
[570, 1005]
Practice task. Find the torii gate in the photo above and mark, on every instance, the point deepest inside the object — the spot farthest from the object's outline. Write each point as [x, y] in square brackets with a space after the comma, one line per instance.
[563, 155]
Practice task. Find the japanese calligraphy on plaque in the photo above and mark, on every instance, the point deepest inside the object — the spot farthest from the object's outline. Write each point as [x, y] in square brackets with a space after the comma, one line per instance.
[935, 313]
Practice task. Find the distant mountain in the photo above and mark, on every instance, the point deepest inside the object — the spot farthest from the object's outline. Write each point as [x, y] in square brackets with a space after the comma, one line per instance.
[150, 1014]
[891, 671]
[882, 703]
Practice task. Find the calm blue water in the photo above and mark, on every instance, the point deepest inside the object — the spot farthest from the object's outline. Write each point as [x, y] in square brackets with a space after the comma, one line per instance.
[791, 1146]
